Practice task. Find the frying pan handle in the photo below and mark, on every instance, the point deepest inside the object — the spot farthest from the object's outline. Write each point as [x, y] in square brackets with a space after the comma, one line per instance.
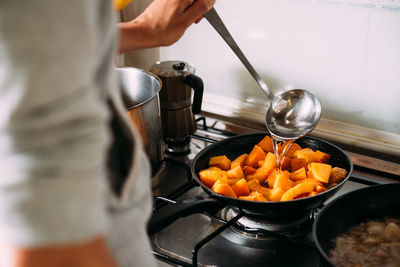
[172, 212]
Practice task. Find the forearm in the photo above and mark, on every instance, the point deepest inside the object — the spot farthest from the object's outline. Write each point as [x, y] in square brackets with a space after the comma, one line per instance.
[135, 35]
[93, 253]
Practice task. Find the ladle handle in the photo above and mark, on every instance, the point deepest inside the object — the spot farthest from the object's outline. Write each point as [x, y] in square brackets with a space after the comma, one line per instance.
[213, 18]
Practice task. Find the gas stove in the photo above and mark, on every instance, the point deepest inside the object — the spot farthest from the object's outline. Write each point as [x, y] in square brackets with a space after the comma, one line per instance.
[230, 237]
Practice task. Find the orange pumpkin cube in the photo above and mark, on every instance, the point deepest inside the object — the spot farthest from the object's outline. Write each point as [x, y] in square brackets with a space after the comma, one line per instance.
[296, 164]
[311, 156]
[299, 174]
[241, 188]
[239, 161]
[256, 154]
[320, 171]
[293, 148]
[221, 162]
[232, 181]
[248, 170]
[266, 144]
[209, 177]
[258, 196]
[223, 189]
[321, 157]
[283, 181]
[265, 170]
[286, 162]
[276, 194]
[269, 161]
[260, 174]
[235, 173]
[253, 184]
[320, 188]
[337, 175]
[297, 190]
[306, 153]
[271, 178]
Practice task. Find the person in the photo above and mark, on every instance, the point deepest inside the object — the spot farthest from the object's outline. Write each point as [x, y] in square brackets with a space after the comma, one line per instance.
[75, 183]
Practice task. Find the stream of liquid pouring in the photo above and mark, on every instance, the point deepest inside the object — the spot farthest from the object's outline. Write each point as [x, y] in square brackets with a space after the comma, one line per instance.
[280, 156]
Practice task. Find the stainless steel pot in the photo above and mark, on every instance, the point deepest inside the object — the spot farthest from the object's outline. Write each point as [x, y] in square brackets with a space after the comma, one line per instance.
[140, 95]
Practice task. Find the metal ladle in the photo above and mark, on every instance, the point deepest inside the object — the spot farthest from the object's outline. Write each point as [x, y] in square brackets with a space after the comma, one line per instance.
[291, 114]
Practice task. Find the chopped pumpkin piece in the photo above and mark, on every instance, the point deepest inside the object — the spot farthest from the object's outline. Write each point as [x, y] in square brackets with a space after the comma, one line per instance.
[297, 190]
[285, 164]
[311, 156]
[260, 163]
[299, 174]
[241, 188]
[253, 184]
[337, 175]
[271, 178]
[221, 162]
[258, 196]
[232, 181]
[256, 154]
[320, 188]
[321, 157]
[305, 153]
[264, 171]
[209, 177]
[235, 173]
[320, 171]
[276, 194]
[248, 170]
[260, 174]
[223, 188]
[309, 180]
[249, 198]
[296, 164]
[283, 180]
[239, 161]
[269, 162]
[266, 144]
[293, 147]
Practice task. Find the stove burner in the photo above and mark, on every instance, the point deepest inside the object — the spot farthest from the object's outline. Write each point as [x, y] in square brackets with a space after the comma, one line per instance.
[256, 223]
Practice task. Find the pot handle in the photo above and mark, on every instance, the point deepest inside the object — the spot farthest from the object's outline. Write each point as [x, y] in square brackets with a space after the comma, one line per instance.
[170, 213]
[196, 83]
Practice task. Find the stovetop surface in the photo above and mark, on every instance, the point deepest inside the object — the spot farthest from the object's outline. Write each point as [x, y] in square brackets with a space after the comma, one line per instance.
[206, 240]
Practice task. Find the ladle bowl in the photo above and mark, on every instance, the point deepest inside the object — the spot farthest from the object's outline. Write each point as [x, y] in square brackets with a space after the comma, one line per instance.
[291, 114]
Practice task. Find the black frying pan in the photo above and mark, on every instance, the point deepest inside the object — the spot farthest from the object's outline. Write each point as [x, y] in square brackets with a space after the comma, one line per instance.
[274, 211]
[351, 209]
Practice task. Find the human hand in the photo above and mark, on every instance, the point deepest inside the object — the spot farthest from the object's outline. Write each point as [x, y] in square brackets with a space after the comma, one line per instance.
[161, 24]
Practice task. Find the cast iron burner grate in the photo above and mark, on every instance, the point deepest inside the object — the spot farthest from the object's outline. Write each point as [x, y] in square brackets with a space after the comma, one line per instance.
[258, 224]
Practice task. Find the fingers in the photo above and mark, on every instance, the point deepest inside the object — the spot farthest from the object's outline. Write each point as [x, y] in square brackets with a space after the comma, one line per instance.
[185, 4]
[198, 9]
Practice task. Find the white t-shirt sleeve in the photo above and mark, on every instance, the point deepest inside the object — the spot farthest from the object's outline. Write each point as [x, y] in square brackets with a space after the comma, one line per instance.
[55, 57]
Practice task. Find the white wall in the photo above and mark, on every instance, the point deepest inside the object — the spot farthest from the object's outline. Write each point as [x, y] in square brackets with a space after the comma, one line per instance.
[346, 52]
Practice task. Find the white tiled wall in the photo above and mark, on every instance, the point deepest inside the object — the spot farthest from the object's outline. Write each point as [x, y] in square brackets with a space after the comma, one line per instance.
[346, 52]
